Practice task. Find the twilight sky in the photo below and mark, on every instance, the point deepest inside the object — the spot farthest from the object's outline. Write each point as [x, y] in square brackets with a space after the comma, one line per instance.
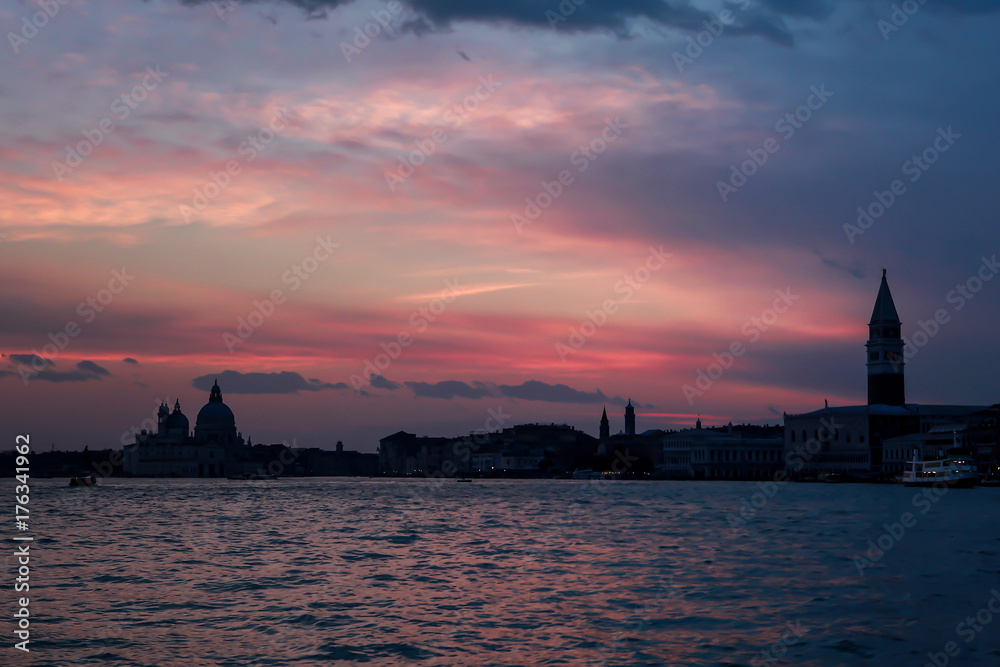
[262, 193]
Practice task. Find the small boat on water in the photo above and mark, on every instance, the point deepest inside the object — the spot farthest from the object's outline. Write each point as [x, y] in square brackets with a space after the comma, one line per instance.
[463, 479]
[833, 478]
[86, 479]
[953, 469]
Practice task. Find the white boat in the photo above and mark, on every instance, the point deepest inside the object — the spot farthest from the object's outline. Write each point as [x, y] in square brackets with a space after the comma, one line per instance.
[85, 479]
[953, 470]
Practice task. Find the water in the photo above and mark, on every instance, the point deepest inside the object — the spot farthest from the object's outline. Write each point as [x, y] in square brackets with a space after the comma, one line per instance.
[398, 572]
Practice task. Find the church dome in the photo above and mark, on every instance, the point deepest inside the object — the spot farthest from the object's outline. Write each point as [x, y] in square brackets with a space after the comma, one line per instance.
[215, 414]
[177, 421]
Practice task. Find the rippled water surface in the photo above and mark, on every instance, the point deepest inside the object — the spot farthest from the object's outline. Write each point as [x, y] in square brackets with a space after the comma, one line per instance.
[397, 572]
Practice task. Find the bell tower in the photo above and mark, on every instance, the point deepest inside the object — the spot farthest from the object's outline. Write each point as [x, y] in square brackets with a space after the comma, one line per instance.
[605, 426]
[885, 351]
[629, 418]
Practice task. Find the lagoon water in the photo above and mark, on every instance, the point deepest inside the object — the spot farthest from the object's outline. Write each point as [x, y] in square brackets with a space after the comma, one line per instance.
[504, 572]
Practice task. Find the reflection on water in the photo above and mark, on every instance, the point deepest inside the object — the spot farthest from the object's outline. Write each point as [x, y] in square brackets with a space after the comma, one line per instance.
[389, 572]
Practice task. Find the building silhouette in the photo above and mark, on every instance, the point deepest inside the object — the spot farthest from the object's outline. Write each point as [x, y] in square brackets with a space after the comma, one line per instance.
[215, 449]
[858, 441]
[741, 452]
[885, 351]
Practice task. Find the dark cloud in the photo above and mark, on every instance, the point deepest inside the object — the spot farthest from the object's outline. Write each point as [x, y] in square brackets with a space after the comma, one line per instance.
[380, 382]
[855, 267]
[91, 367]
[37, 368]
[284, 382]
[29, 359]
[614, 16]
[130, 360]
[531, 390]
[451, 389]
[335, 385]
[64, 376]
[816, 9]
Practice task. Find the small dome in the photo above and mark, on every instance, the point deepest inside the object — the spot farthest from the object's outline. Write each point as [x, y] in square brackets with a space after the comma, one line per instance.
[177, 421]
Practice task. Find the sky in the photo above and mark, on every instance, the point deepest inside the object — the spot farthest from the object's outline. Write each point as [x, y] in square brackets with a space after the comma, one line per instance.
[366, 217]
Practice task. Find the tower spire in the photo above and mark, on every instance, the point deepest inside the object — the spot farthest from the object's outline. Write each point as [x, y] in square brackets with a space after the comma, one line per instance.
[885, 351]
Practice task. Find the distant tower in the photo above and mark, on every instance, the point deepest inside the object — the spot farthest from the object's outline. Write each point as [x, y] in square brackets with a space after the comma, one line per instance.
[161, 418]
[605, 426]
[885, 351]
[629, 418]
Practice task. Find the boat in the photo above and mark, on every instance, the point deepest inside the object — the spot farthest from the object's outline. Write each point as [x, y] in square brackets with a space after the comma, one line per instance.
[587, 473]
[86, 479]
[956, 470]
[833, 478]
[463, 479]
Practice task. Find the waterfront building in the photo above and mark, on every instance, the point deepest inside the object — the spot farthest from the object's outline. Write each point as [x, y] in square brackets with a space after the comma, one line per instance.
[315, 462]
[729, 452]
[525, 450]
[853, 440]
[213, 450]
